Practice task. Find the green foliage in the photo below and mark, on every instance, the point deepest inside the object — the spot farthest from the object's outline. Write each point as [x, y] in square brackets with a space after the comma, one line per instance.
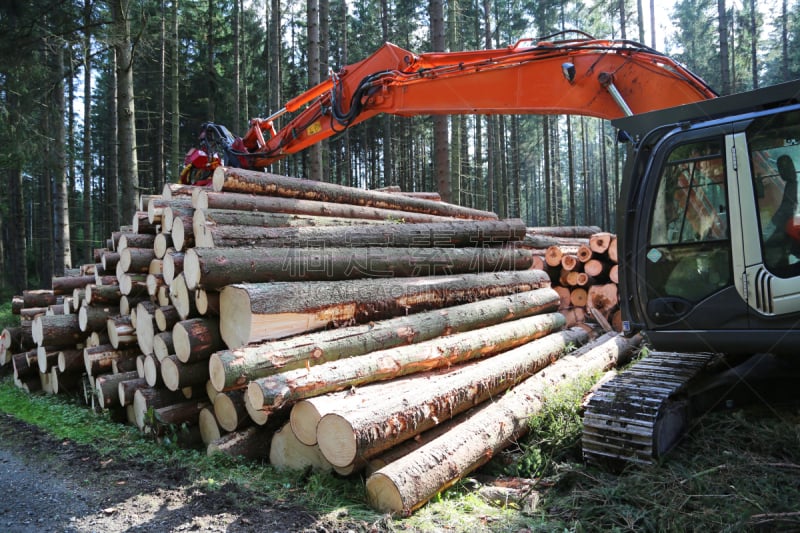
[7, 318]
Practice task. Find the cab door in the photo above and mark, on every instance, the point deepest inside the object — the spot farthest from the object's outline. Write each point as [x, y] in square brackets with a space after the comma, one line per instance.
[767, 259]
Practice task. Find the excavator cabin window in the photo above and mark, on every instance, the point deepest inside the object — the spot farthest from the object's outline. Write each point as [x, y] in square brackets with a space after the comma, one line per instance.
[689, 252]
[774, 144]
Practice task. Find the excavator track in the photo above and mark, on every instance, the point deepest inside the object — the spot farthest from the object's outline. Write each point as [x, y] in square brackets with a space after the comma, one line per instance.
[641, 414]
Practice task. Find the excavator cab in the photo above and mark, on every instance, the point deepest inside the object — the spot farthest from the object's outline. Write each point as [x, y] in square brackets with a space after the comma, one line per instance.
[709, 224]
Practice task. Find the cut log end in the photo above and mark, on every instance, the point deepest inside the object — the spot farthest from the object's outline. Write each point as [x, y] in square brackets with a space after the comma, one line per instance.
[304, 418]
[383, 495]
[335, 437]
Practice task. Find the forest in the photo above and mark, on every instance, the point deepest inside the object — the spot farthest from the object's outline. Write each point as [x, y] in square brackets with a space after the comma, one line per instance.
[101, 99]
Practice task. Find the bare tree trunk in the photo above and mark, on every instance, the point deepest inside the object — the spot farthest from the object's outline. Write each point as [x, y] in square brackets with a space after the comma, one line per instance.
[652, 23]
[784, 41]
[441, 158]
[175, 122]
[211, 76]
[754, 43]
[724, 52]
[159, 169]
[640, 20]
[237, 15]
[129, 172]
[112, 178]
[315, 150]
[88, 226]
[62, 255]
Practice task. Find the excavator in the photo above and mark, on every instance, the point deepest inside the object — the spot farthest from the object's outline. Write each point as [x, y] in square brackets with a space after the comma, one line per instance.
[708, 219]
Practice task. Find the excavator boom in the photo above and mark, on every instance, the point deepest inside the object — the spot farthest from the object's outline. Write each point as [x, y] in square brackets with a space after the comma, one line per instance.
[600, 78]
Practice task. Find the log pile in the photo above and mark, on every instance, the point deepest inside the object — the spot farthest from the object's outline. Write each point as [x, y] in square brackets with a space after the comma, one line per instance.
[320, 326]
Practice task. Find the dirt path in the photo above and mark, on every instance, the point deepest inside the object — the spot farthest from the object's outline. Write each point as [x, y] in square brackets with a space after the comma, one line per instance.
[42, 492]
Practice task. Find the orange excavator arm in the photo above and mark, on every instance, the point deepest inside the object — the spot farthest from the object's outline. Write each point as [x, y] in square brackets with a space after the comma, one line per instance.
[600, 78]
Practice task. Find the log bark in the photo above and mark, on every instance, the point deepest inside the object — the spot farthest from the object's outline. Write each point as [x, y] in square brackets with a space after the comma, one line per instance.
[214, 268]
[126, 389]
[98, 359]
[554, 254]
[187, 412]
[155, 207]
[66, 284]
[136, 260]
[46, 358]
[120, 331]
[255, 312]
[204, 218]
[564, 231]
[56, 330]
[38, 298]
[70, 361]
[207, 302]
[412, 480]
[604, 298]
[173, 265]
[261, 183]
[209, 429]
[94, 317]
[233, 368]
[274, 391]
[459, 233]
[177, 375]
[102, 294]
[107, 388]
[162, 245]
[166, 317]
[182, 298]
[109, 260]
[162, 345]
[433, 398]
[152, 371]
[144, 399]
[269, 204]
[135, 240]
[252, 443]
[145, 326]
[196, 339]
[141, 223]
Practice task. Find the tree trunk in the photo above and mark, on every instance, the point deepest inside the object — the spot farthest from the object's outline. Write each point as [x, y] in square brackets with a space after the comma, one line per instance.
[431, 398]
[233, 368]
[88, 223]
[254, 312]
[724, 51]
[251, 443]
[98, 359]
[290, 386]
[288, 453]
[409, 482]
[107, 388]
[314, 77]
[249, 181]
[213, 268]
[458, 233]
[62, 254]
[207, 218]
[175, 157]
[56, 330]
[177, 375]
[93, 317]
[270, 204]
[129, 173]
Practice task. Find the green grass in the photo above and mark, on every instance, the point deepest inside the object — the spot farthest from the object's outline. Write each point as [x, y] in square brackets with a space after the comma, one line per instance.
[6, 317]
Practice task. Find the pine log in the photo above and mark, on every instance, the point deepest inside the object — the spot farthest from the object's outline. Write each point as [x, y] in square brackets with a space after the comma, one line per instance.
[175, 212]
[46, 358]
[207, 302]
[66, 284]
[133, 284]
[27, 314]
[187, 412]
[38, 298]
[554, 254]
[209, 429]
[134, 240]
[182, 233]
[106, 279]
[412, 480]
[152, 371]
[603, 298]
[229, 410]
[147, 398]
[177, 375]
[255, 312]
[564, 231]
[612, 250]
[102, 294]
[141, 223]
[252, 443]
[56, 330]
[290, 386]
[145, 326]
[260, 417]
[578, 297]
[70, 361]
[155, 207]
[433, 398]
[270, 204]
[543, 242]
[261, 183]
[166, 317]
[173, 265]
[196, 339]
[596, 268]
[136, 260]
[599, 242]
[124, 365]
[162, 296]
[16, 338]
[153, 283]
[175, 191]
[204, 218]
[288, 453]
[584, 253]
[182, 298]
[162, 245]
[107, 388]
[17, 304]
[213, 268]
[98, 359]
[162, 345]
[64, 383]
[120, 331]
[109, 260]
[127, 304]
[459, 233]
[233, 368]
[95, 317]
[126, 389]
[613, 274]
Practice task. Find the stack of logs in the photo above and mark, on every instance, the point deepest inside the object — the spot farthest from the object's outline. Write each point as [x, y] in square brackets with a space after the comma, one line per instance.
[325, 326]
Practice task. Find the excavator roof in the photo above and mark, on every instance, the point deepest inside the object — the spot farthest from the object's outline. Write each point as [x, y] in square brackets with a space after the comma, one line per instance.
[736, 104]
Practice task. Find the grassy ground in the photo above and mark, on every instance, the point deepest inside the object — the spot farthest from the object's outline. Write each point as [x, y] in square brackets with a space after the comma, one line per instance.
[737, 470]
